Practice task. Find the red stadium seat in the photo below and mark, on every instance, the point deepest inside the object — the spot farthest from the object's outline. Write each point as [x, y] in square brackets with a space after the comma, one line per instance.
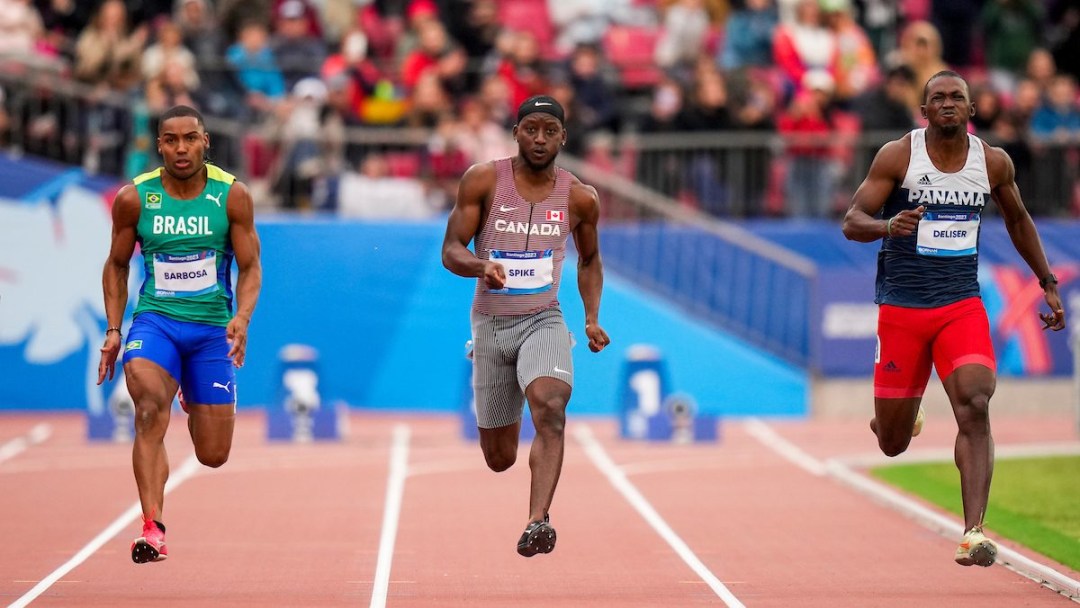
[529, 16]
[630, 49]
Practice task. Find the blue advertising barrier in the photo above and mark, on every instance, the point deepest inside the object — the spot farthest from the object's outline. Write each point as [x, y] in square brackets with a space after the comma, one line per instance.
[300, 414]
[650, 411]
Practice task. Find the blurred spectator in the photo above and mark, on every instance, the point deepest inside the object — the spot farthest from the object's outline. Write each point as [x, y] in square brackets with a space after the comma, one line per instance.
[63, 20]
[803, 45]
[595, 95]
[481, 138]
[438, 54]
[577, 133]
[1027, 97]
[362, 80]
[495, 95]
[1011, 30]
[1059, 116]
[856, 65]
[170, 86]
[234, 14]
[988, 107]
[920, 49]
[428, 103]
[584, 21]
[256, 68]
[340, 18]
[888, 107]
[169, 49]
[21, 31]
[476, 27]
[297, 52]
[308, 153]
[748, 36]
[1040, 69]
[807, 128]
[201, 35]
[707, 169]
[659, 169]
[1064, 36]
[523, 69]
[444, 161]
[958, 18]
[106, 53]
[311, 16]
[880, 19]
[417, 14]
[682, 36]
[755, 104]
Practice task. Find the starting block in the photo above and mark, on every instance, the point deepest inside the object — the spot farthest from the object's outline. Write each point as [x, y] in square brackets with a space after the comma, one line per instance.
[648, 410]
[116, 420]
[300, 414]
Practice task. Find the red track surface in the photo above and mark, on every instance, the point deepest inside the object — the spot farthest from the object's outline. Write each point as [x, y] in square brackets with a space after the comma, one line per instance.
[300, 525]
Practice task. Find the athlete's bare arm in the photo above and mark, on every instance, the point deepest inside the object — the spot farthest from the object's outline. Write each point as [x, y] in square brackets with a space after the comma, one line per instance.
[114, 279]
[585, 218]
[475, 191]
[1025, 237]
[247, 249]
[861, 222]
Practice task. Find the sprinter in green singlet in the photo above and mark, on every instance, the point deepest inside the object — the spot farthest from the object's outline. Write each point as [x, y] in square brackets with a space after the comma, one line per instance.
[191, 220]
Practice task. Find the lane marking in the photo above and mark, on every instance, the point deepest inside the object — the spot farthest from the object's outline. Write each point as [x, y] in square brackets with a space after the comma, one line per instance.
[770, 438]
[182, 474]
[584, 435]
[18, 445]
[895, 500]
[395, 490]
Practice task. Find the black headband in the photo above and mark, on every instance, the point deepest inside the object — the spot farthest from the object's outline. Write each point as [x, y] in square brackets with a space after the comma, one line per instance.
[541, 103]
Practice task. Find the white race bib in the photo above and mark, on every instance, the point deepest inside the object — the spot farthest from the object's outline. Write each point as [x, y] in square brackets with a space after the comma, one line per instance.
[526, 271]
[948, 233]
[182, 276]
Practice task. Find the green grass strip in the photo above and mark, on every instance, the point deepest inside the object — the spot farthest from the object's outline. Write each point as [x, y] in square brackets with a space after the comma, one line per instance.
[1033, 501]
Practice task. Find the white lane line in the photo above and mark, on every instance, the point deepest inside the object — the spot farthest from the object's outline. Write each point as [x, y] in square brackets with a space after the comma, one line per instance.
[617, 477]
[766, 435]
[395, 490]
[16, 446]
[943, 525]
[182, 474]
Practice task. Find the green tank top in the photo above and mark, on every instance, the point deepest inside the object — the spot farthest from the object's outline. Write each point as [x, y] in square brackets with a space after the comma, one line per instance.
[187, 252]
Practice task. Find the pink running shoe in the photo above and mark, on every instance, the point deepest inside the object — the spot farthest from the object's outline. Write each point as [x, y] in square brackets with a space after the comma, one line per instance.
[150, 547]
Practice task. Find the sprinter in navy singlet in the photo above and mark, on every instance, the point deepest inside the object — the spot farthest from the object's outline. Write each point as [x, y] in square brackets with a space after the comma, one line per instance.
[924, 198]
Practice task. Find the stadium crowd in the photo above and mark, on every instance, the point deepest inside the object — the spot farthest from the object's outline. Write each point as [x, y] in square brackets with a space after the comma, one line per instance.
[298, 75]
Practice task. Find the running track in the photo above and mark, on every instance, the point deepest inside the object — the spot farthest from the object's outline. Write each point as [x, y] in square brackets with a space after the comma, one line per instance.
[403, 513]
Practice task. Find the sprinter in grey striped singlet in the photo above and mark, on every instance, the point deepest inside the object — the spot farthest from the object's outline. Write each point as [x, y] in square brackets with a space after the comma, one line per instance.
[519, 212]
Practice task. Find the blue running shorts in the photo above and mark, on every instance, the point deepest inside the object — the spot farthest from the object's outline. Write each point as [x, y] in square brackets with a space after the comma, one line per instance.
[195, 354]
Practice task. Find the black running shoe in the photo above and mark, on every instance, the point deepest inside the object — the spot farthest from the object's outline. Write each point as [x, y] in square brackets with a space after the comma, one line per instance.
[538, 537]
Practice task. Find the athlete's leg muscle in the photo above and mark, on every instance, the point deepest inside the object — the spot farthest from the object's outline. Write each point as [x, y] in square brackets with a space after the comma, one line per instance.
[893, 422]
[547, 402]
[500, 446]
[970, 388]
[211, 428]
[152, 389]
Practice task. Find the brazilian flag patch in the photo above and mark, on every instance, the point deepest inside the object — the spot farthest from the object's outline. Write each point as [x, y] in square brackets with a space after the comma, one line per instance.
[153, 200]
[134, 345]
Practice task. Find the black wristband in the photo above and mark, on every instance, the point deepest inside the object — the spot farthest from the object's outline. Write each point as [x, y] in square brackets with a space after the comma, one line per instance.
[1048, 279]
[116, 329]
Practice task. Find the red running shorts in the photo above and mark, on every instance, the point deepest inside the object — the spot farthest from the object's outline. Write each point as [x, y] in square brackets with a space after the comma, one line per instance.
[910, 339]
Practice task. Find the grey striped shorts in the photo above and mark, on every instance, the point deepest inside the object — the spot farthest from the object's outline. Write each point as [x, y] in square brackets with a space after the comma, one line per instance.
[509, 352]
